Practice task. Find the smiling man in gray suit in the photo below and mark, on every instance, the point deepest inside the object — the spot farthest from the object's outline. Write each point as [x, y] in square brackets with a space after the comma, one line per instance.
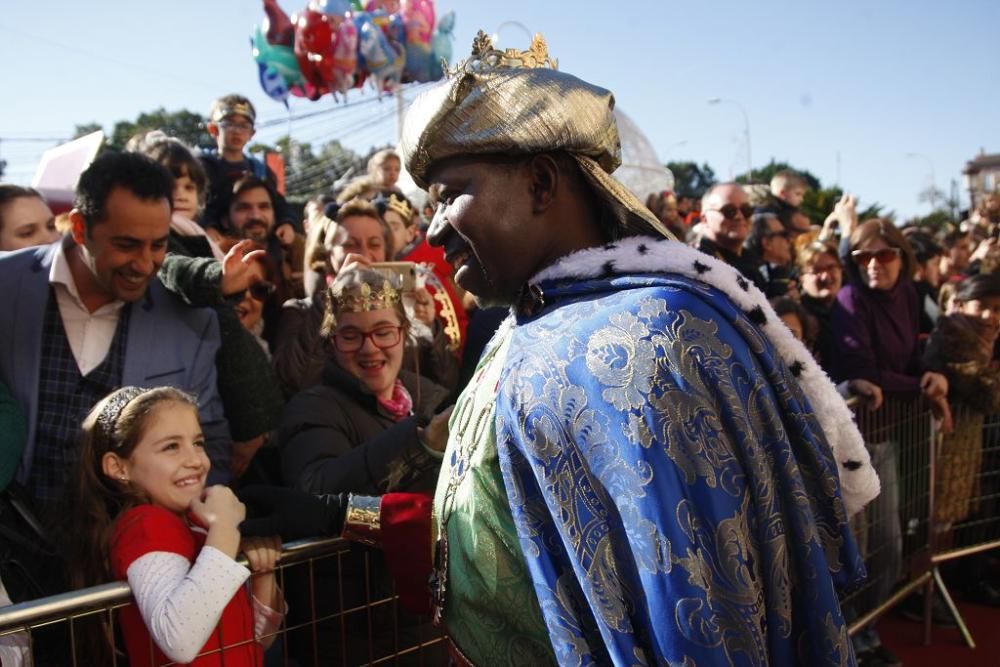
[87, 314]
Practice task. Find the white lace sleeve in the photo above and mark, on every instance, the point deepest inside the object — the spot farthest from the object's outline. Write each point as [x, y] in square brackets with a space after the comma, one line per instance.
[182, 603]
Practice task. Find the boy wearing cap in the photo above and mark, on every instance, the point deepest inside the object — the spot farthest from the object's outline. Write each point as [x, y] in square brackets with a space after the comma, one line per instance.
[231, 124]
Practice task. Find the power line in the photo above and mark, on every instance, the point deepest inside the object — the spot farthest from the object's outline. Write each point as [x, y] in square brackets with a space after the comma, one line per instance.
[131, 65]
[27, 140]
[337, 106]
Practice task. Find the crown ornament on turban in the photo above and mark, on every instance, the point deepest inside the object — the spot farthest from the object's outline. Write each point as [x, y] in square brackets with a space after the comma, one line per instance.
[485, 57]
[363, 298]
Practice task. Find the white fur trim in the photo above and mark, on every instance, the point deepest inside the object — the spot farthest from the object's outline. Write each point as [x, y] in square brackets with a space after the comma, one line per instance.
[858, 486]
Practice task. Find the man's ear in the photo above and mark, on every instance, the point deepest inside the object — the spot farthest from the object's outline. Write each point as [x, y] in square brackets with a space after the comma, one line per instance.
[114, 467]
[544, 181]
[213, 130]
[79, 226]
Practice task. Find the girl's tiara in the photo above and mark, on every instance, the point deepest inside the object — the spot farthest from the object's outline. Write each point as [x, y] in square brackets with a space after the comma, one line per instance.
[112, 410]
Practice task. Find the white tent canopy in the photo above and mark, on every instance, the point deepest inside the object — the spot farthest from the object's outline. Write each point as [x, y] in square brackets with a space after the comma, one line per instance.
[642, 172]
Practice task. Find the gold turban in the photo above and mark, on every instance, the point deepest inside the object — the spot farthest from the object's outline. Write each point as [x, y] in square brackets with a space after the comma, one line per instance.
[518, 103]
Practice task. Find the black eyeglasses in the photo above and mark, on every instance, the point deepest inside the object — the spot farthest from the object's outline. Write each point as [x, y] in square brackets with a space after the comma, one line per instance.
[782, 233]
[883, 256]
[352, 340]
[729, 211]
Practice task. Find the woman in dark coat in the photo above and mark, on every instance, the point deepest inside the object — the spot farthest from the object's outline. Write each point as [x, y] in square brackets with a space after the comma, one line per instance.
[359, 430]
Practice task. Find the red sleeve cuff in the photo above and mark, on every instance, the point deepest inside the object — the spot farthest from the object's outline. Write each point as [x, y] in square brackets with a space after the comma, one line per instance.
[406, 541]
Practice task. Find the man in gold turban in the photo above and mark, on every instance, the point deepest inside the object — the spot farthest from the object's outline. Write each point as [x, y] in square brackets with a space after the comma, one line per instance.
[646, 468]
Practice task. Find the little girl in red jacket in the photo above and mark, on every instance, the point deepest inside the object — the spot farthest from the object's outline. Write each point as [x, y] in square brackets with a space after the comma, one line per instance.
[145, 516]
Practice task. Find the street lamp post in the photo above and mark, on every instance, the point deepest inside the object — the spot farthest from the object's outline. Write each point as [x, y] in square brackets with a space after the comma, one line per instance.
[930, 165]
[746, 131]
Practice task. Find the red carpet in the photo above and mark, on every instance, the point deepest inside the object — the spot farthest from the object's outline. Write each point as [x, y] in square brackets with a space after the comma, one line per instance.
[947, 647]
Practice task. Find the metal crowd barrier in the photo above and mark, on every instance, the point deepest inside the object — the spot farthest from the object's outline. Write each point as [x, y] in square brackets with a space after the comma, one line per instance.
[342, 611]
[940, 502]
[893, 530]
[967, 500]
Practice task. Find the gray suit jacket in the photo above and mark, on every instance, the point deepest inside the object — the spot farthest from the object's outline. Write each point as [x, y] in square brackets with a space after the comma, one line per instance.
[168, 344]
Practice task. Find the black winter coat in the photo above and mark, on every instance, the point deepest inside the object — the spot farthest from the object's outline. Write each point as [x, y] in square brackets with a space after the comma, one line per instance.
[335, 438]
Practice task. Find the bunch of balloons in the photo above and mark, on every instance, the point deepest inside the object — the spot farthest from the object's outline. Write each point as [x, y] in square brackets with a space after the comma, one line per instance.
[332, 46]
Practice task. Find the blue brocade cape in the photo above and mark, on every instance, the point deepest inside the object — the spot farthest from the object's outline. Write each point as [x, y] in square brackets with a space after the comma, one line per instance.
[675, 497]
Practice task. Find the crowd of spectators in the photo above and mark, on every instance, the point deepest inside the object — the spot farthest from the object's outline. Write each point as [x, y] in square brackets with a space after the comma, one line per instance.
[193, 271]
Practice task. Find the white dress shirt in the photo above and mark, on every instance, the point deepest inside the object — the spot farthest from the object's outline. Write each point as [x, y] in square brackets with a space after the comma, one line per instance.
[89, 334]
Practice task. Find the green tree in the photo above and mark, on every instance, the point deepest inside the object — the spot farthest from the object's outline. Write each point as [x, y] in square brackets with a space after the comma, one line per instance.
[690, 180]
[308, 173]
[765, 173]
[186, 125]
[934, 221]
[85, 129]
[818, 201]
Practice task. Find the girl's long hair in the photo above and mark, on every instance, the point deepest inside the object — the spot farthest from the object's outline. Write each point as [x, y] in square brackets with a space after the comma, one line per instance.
[95, 501]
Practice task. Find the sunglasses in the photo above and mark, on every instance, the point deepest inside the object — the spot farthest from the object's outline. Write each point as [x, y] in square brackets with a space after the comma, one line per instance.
[729, 211]
[884, 256]
[783, 234]
[260, 291]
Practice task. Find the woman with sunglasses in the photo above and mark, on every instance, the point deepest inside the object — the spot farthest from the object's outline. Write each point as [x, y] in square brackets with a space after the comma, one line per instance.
[876, 318]
[875, 323]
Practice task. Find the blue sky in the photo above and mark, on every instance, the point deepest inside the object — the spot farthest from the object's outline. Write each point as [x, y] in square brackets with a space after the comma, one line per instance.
[868, 81]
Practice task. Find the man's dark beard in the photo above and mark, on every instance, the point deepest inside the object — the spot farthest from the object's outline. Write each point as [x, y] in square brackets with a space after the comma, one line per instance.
[252, 224]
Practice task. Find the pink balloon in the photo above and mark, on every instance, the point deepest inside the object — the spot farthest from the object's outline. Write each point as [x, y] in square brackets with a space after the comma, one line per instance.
[418, 15]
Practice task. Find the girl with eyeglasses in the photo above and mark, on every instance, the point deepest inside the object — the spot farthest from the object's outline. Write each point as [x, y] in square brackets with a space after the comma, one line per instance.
[360, 429]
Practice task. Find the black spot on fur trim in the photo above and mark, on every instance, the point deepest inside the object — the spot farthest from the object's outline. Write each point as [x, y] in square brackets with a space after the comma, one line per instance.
[797, 368]
[701, 268]
[852, 465]
[611, 246]
[757, 315]
[608, 268]
[643, 248]
[742, 282]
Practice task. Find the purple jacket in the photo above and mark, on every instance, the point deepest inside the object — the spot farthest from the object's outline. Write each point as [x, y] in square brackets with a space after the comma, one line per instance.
[875, 336]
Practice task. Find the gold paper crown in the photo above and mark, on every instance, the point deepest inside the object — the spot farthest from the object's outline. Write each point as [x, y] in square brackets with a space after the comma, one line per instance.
[400, 206]
[485, 57]
[364, 299]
